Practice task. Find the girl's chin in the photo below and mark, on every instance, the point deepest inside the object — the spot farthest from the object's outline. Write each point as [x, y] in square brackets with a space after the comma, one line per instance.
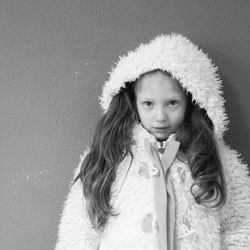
[161, 137]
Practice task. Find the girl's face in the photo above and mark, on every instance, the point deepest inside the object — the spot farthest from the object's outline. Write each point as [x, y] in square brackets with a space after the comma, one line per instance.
[161, 104]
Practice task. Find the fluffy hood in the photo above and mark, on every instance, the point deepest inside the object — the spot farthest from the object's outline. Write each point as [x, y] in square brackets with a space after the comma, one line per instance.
[181, 58]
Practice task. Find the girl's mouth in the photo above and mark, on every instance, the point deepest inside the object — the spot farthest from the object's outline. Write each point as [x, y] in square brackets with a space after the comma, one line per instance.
[160, 128]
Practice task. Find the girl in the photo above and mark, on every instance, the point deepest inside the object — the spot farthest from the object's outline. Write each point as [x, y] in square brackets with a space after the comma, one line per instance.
[158, 174]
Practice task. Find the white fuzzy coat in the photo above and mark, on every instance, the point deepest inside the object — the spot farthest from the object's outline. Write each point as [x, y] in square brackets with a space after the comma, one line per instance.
[196, 227]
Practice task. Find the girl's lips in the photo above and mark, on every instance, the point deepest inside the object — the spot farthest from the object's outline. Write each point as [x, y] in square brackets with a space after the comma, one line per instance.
[160, 128]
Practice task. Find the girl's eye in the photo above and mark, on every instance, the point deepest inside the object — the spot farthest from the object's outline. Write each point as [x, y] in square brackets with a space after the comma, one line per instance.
[173, 103]
[147, 104]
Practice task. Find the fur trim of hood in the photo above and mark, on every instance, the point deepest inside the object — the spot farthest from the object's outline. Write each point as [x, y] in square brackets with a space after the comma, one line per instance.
[181, 58]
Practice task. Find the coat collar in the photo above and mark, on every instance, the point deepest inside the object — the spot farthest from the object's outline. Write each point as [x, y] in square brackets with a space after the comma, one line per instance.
[140, 134]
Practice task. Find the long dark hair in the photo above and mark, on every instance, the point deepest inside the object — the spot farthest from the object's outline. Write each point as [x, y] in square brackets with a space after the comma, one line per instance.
[113, 140]
[198, 143]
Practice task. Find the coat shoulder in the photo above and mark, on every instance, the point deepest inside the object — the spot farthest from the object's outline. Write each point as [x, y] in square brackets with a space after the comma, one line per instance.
[232, 162]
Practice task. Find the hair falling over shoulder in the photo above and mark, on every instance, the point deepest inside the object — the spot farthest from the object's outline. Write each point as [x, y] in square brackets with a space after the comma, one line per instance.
[197, 141]
[111, 143]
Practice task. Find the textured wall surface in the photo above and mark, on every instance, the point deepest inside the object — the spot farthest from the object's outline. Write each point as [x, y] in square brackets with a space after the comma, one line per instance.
[54, 58]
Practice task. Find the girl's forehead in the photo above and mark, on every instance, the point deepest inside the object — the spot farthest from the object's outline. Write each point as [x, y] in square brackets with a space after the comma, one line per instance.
[158, 82]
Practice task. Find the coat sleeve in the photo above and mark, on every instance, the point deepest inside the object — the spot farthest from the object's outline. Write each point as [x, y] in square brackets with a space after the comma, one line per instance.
[236, 212]
[75, 229]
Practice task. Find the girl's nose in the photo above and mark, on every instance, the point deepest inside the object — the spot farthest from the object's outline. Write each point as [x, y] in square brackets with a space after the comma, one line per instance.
[161, 115]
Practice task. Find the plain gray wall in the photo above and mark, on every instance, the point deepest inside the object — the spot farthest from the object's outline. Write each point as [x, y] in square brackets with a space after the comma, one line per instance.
[54, 58]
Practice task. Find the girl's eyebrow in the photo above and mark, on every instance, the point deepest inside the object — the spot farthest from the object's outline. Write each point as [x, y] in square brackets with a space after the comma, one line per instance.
[152, 98]
[145, 97]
